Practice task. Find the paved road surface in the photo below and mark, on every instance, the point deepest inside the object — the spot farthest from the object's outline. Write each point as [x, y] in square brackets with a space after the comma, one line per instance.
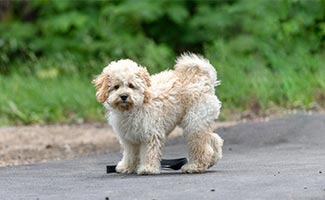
[279, 159]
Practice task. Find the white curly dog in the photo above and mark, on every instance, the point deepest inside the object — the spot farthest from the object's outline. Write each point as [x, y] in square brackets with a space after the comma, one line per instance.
[144, 109]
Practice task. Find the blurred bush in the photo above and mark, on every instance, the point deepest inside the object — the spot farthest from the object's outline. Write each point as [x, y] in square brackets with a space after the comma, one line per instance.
[268, 53]
[86, 33]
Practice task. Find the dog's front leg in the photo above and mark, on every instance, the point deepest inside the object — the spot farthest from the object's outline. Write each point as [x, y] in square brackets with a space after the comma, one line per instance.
[130, 159]
[150, 155]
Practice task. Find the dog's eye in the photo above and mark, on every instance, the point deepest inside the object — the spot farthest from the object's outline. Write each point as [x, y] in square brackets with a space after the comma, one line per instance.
[131, 86]
[116, 87]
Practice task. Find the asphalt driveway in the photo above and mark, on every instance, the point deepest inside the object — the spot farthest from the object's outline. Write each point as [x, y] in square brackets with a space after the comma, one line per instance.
[279, 159]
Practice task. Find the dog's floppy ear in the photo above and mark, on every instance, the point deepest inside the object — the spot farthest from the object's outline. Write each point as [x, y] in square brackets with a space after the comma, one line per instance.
[102, 84]
[144, 75]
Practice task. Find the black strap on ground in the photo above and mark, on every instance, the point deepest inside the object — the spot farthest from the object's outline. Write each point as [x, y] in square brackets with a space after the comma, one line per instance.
[174, 164]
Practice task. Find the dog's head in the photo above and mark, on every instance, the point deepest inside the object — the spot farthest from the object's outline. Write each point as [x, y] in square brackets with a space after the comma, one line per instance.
[123, 84]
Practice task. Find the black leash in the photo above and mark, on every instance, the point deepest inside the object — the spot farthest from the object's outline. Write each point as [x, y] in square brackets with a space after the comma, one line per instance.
[174, 164]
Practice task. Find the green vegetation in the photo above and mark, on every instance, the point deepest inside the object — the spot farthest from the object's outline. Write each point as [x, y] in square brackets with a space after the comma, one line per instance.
[39, 100]
[267, 53]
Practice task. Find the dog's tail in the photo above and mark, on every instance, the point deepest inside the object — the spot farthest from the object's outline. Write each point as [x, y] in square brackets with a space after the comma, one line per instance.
[189, 64]
[216, 143]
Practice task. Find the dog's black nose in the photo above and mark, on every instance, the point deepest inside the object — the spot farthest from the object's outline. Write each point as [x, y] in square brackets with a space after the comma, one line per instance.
[124, 97]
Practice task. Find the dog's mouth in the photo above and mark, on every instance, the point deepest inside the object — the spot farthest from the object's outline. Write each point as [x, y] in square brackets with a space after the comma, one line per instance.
[123, 105]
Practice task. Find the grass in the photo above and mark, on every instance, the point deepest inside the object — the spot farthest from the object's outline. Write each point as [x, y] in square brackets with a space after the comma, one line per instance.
[286, 88]
[63, 99]
[47, 96]
[256, 82]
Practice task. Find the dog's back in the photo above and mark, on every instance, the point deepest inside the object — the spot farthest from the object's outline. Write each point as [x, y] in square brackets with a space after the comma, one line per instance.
[191, 72]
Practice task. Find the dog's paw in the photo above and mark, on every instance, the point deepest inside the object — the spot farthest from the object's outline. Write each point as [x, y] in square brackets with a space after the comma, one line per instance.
[191, 168]
[147, 169]
[124, 169]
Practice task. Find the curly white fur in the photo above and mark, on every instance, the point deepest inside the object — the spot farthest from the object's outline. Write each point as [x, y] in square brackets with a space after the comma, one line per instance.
[144, 109]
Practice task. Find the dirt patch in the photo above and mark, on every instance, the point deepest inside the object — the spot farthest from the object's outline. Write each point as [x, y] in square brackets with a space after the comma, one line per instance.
[35, 144]
[31, 144]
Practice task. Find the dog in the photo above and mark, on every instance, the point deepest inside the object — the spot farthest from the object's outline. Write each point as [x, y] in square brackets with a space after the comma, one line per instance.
[144, 109]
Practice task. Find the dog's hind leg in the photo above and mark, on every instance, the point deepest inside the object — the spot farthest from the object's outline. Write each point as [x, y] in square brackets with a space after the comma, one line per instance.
[130, 159]
[204, 146]
[216, 143]
[205, 149]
